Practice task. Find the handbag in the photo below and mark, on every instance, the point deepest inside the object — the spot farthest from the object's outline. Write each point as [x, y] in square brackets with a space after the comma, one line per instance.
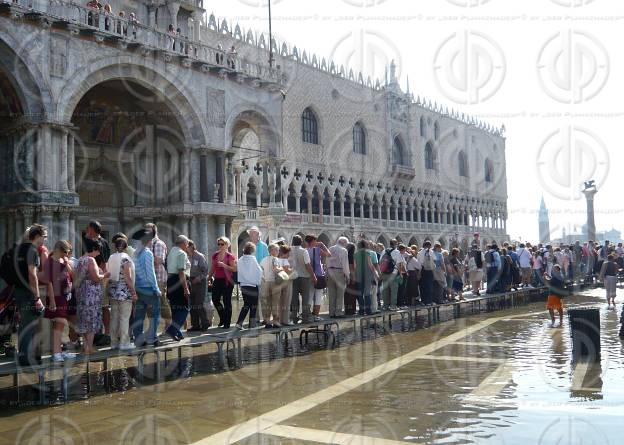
[321, 280]
[281, 277]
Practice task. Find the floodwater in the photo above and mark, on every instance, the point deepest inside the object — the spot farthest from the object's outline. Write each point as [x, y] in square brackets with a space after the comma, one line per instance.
[500, 378]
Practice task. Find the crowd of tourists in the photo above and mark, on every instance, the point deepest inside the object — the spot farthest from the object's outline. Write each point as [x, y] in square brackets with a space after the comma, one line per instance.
[112, 288]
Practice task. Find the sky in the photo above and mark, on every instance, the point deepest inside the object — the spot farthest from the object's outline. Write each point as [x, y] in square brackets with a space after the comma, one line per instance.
[549, 70]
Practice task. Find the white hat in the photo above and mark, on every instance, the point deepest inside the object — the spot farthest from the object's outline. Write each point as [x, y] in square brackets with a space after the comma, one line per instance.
[253, 228]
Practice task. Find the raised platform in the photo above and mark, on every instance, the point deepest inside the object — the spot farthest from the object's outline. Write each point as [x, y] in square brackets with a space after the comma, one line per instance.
[229, 344]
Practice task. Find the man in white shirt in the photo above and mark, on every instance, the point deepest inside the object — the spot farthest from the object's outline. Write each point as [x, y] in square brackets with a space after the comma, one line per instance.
[425, 258]
[524, 261]
[337, 277]
[303, 283]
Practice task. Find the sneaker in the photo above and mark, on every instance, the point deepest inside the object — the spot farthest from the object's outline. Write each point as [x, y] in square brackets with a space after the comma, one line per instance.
[239, 326]
[318, 319]
[69, 355]
[289, 324]
[277, 325]
[113, 347]
[127, 347]
[58, 358]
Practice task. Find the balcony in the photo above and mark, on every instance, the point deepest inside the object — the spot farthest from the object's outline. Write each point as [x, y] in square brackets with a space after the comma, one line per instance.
[126, 33]
[403, 172]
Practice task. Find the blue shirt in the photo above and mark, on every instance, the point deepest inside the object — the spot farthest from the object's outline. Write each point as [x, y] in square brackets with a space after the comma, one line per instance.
[497, 259]
[438, 258]
[262, 251]
[145, 280]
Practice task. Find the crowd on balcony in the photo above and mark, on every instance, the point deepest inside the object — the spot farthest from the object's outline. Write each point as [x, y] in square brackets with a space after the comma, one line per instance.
[104, 297]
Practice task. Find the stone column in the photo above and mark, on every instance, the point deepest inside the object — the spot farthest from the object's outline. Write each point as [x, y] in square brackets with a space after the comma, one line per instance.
[186, 175]
[71, 161]
[352, 208]
[221, 226]
[589, 193]
[298, 202]
[342, 212]
[4, 241]
[173, 13]
[310, 196]
[204, 192]
[196, 17]
[182, 225]
[63, 171]
[40, 151]
[230, 181]
[332, 206]
[72, 231]
[202, 232]
[63, 224]
[195, 179]
[17, 223]
[46, 218]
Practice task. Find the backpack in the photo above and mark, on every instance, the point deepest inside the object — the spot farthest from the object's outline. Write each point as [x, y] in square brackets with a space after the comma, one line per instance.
[478, 259]
[387, 263]
[8, 266]
[489, 257]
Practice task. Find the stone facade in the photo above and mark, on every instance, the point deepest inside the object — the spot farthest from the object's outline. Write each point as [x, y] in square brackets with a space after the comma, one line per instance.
[108, 118]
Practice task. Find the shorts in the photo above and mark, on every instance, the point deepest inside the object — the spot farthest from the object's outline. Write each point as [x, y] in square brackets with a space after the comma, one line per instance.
[105, 296]
[62, 308]
[526, 273]
[554, 303]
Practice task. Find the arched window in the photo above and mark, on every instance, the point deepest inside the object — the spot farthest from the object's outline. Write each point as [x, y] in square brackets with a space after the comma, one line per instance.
[489, 171]
[309, 127]
[429, 157]
[423, 126]
[436, 131]
[398, 157]
[359, 139]
[463, 164]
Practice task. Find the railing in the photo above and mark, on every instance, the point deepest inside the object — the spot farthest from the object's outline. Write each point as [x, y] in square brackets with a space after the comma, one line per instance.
[251, 215]
[113, 26]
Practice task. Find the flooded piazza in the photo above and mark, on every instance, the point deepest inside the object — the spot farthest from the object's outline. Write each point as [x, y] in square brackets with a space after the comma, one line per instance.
[504, 377]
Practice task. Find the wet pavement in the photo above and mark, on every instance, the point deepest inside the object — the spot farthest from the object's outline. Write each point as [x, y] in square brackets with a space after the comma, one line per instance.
[500, 378]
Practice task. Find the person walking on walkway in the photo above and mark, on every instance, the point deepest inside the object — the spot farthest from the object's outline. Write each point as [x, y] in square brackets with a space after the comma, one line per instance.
[222, 269]
[160, 252]
[317, 251]
[525, 258]
[250, 278]
[199, 289]
[425, 257]
[557, 292]
[59, 278]
[178, 286]
[147, 289]
[493, 269]
[337, 277]
[475, 269]
[608, 275]
[122, 294]
[365, 273]
[303, 283]
[89, 293]
[270, 288]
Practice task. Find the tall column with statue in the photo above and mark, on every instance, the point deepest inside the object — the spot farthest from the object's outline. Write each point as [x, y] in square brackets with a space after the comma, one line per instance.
[590, 191]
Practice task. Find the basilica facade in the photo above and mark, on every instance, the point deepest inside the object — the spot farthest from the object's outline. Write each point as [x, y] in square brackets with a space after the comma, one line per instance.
[107, 115]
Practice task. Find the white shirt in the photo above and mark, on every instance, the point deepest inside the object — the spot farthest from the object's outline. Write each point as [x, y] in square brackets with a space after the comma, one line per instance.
[299, 257]
[413, 263]
[397, 258]
[422, 258]
[339, 259]
[524, 257]
[537, 262]
[249, 271]
[267, 268]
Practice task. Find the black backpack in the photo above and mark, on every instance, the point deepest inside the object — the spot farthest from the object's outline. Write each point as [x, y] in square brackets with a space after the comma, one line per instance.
[8, 266]
[489, 257]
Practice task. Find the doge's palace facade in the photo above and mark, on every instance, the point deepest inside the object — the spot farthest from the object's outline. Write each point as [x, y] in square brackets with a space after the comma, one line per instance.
[104, 117]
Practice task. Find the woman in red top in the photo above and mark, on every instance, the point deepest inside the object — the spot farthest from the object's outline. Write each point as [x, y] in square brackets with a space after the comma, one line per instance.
[222, 269]
[59, 275]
